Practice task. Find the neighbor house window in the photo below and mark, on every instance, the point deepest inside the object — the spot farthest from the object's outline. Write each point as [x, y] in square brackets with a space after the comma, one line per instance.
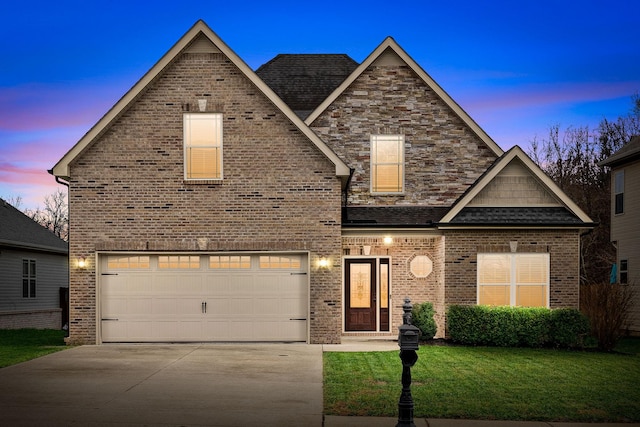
[624, 271]
[387, 163]
[28, 278]
[513, 279]
[202, 146]
[618, 190]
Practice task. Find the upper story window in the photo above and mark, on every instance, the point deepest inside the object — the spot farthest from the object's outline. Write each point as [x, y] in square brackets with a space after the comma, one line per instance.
[618, 191]
[202, 146]
[387, 163]
[28, 278]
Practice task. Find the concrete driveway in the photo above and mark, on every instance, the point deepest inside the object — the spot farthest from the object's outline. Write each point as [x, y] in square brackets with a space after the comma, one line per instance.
[178, 385]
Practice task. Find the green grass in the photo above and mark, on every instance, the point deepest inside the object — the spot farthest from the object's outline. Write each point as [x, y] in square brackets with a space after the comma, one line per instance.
[20, 345]
[490, 383]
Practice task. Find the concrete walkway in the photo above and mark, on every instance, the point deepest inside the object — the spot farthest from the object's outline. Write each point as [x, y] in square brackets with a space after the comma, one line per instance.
[189, 385]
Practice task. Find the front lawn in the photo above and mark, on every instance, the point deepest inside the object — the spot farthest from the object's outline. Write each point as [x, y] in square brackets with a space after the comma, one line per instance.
[20, 345]
[490, 383]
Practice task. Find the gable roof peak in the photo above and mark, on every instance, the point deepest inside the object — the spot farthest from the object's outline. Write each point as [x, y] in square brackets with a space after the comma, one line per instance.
[390, 43]
[500, 164]
[62, 168]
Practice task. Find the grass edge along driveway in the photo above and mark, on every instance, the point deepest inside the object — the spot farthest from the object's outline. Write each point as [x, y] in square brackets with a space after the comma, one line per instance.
[489, 383]
[20, 345]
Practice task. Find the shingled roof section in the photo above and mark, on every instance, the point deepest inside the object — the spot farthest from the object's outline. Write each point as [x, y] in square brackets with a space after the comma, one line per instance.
[19, 231]
[303, 81]
[522, 216]
[392, 216]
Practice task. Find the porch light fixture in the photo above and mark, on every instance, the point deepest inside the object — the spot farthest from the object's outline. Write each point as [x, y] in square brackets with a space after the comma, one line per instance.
[82, 262]
[387, 240]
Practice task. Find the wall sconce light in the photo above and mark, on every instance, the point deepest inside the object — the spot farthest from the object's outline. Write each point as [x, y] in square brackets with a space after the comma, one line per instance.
[387, 240]
[323, 263]
[82, 262]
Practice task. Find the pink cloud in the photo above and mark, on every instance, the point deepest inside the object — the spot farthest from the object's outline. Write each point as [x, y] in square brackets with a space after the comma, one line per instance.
[548, 95]
[34, 106]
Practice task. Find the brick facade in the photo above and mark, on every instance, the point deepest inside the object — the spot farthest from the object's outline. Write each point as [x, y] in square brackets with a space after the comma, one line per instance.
[279, 192]
[462, 247]
[38, 319]
[403, 283]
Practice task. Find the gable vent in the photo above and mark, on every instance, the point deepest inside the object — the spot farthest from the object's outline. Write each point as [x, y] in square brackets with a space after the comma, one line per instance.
[202, 45]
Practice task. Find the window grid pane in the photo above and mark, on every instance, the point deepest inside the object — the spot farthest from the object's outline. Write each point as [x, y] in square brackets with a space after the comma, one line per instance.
[513, 279]
[179, 262]
[229, 261]
[203, 146]
[387, 163]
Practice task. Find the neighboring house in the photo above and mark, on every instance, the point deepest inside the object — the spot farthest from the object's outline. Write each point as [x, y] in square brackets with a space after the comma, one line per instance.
[625, 219]
[208, 210]
[34, 273]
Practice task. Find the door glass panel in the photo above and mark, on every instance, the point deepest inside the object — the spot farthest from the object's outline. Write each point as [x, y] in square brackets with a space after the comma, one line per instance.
[360, 280]
[384, 286]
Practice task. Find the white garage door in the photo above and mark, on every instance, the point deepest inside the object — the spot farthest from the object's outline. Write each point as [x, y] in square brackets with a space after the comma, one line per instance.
[187, 298]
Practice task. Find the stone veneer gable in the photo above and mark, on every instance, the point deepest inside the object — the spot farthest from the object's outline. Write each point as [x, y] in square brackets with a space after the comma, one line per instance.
[443, 156]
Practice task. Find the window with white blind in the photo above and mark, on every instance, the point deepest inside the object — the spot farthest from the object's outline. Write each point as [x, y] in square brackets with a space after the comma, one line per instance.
[513, 279]
[387, 163]
[202, 146]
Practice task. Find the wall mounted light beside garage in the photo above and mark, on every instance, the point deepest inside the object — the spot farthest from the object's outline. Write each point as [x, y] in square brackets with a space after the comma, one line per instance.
[421, 266]
[323, 263]
[82, 262]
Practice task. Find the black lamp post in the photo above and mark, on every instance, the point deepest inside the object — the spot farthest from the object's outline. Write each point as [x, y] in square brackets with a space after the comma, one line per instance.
[408, 341]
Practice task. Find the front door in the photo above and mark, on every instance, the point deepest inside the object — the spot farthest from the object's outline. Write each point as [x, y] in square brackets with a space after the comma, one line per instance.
[367, 294]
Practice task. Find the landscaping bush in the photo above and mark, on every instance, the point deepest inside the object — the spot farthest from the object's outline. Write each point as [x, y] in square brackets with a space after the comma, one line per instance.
[568, 328]
[516, 326]
[422, 318]
[607, 306]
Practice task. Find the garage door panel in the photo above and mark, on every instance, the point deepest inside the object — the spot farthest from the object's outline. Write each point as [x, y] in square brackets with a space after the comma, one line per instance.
[220, 302]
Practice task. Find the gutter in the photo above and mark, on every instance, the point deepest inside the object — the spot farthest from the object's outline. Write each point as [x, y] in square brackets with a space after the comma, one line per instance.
[58, 179]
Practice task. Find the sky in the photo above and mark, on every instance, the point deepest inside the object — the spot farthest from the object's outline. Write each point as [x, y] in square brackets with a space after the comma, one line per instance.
[517, 68]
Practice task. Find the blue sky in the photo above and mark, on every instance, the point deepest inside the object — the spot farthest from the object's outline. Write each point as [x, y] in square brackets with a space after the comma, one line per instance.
[516, 67]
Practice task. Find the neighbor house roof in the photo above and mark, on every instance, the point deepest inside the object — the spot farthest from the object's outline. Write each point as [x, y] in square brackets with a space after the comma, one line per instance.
[303, 81]
[567, 213]
[390, 44]
[628, 153]
[61, 169]
[19, 231]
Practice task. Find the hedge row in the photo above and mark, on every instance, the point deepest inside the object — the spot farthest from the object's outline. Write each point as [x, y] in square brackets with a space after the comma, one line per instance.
[517, 326]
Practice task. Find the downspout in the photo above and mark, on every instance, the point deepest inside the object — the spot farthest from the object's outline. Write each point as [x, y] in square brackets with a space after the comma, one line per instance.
[345, 196]
[66, 184]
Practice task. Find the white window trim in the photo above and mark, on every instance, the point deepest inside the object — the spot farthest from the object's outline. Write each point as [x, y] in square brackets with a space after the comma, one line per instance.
[185, 146]
[512, 285]
[402, 162]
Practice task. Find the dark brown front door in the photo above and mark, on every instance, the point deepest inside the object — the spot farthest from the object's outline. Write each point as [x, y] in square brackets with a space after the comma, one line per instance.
[360, 295]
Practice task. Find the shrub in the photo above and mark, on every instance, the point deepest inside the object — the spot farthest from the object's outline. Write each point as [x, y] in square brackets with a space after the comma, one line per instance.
[422, 317]
[568, 328]
[607, 306]
[516, 326]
